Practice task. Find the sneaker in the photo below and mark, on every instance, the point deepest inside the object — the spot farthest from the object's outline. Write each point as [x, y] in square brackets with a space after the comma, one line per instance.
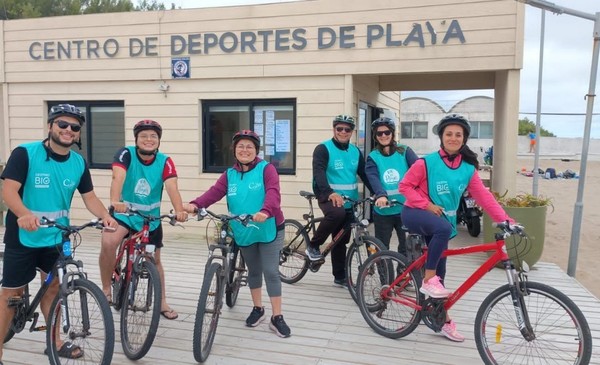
[340, 283]
[313, 253]
[449, 330]
[256, 316]
[279, 326]
[434, 288]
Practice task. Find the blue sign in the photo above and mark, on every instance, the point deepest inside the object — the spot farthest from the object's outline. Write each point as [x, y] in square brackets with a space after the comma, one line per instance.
[180, 68]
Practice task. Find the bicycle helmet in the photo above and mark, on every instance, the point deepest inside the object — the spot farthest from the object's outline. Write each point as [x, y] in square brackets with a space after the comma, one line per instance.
[383, 121]
[68, 110]
[454, 119]
[246, 134]
[344, 119]
[147, 124]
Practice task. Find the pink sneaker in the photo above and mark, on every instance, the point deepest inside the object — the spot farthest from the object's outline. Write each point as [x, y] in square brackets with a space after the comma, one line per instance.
[434, 288]
[449, 330]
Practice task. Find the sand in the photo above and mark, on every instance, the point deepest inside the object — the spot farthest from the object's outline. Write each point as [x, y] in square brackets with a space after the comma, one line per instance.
[559, 222]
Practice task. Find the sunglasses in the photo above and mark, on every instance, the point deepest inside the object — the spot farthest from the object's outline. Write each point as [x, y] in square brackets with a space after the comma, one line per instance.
[343, 129]
[64, 125]
[383, 133]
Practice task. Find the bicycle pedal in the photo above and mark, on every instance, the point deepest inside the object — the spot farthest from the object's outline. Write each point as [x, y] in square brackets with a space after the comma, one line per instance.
[39, 329]
[15, 301]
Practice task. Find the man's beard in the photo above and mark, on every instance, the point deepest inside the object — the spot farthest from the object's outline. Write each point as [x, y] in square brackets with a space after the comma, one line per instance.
[56, 139]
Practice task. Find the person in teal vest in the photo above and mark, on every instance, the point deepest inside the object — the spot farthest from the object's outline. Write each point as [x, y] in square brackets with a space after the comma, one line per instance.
[336, 164]
[40, 179]
[251, 186]
[432, 188]
[386, 165]
[138, 175]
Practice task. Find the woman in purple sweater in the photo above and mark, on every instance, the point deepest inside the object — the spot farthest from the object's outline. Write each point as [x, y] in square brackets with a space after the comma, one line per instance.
[252, 187]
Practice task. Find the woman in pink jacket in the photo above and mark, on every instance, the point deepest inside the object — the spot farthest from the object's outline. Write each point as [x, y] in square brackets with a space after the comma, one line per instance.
[433, 187]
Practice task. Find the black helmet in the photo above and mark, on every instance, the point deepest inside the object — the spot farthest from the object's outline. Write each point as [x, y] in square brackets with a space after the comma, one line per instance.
[248, 134]
[383, 121]
[344, 119]
[454, 119]
[68, 110]
[147, 124]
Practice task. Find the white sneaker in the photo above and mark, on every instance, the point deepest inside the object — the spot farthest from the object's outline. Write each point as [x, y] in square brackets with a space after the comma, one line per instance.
[434, 288]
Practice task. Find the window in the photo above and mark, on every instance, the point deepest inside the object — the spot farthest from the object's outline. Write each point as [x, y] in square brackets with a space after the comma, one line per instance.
[103, 132]
[482, 130]
[414, 129]
[273, 120]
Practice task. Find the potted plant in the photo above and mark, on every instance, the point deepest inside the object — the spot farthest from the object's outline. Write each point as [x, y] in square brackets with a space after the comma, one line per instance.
[530, 211]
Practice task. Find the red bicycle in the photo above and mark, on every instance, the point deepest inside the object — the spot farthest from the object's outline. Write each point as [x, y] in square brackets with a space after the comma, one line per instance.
[136, 288]
[521, 322]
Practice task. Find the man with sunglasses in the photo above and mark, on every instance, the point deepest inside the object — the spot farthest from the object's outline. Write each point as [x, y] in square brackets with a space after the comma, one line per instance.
[40, 179]
[336, 163]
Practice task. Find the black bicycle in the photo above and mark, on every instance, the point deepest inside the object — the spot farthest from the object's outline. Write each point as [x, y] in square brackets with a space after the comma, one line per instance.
[80, 312]
[223, 273]
[293, 261]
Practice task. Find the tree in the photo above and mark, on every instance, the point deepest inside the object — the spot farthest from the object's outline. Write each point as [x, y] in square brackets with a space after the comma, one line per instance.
[526, 126]
[21, 9]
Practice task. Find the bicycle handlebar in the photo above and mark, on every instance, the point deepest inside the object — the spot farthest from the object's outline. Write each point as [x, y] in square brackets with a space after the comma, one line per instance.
[96, 223]
[131, 211]
[242, 218]
[509, 229]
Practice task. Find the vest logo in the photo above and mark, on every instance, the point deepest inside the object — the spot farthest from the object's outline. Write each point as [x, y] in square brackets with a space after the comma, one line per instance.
[442, 187]
[338, 164]
[254, 186]
[232, 190]
[42, 180]
[142, 188]
[391, 176]
[67, 183]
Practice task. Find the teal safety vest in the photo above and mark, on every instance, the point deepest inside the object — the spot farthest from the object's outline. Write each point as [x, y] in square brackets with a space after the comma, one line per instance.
[142, 189]
[246, 195]
[48, 192]
[446, 185]
[341, 170]
[391, 170]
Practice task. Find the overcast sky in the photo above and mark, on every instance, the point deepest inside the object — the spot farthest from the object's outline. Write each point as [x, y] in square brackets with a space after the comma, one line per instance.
[567, 65]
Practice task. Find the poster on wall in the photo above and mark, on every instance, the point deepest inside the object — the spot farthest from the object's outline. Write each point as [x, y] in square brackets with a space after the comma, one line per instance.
[282, 135]
[180, 68]
[270, 128]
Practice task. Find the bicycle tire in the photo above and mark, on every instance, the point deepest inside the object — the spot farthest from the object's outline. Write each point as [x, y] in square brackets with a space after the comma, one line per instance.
[237, 269]
[143, 297]
[357, 254]
[209, 307]
[293, 263]
[91, 325]
[385, 315]
[561, 330]
[9, 335]
[118, 279]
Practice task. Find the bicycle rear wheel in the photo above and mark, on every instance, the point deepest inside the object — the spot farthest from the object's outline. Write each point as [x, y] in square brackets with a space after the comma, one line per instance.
[562, 334]
[388, 312]
[91, 326]
[208, 311]
[293, 262]
[355, 258]
[140, 312]
[237, 269]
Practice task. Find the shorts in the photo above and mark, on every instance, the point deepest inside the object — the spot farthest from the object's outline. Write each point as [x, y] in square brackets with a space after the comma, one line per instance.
[156, 236]
[532, 142]
[21, 263]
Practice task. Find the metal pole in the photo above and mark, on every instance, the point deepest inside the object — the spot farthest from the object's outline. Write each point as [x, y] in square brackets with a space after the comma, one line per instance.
[578, 212]
[536, 159]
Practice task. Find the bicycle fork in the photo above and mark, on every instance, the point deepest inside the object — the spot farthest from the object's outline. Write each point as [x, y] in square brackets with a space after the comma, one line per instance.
[517, 292]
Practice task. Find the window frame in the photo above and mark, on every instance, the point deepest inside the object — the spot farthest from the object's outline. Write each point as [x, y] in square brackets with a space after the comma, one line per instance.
[251, 104]
[412, 129]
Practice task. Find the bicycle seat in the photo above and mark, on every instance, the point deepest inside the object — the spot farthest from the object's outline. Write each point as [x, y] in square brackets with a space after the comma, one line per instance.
[307, 194]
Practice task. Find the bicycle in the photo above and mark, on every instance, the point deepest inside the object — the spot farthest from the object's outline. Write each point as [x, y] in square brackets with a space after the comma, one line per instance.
[80, 312]
[519, 322]
[293, 261]
[136, 287]
[228, 276]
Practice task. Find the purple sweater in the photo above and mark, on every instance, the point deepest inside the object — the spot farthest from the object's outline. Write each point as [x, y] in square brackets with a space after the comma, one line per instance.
[272, 204]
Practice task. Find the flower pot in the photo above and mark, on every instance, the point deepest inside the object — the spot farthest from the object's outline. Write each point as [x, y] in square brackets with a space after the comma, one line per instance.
[534, 221]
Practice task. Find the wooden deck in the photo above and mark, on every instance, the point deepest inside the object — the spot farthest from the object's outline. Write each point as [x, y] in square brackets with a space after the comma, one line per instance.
[327, 327]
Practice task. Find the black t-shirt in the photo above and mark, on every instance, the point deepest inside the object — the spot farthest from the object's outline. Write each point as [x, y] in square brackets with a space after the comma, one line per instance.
[17, 168]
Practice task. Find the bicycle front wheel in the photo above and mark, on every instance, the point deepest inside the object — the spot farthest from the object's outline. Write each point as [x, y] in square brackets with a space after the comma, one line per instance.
[88, 327]
[140, 312]
[237, 270]
[359, 250]
[208, 311]
[293, 262]
[562, 334]
[391, 311]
